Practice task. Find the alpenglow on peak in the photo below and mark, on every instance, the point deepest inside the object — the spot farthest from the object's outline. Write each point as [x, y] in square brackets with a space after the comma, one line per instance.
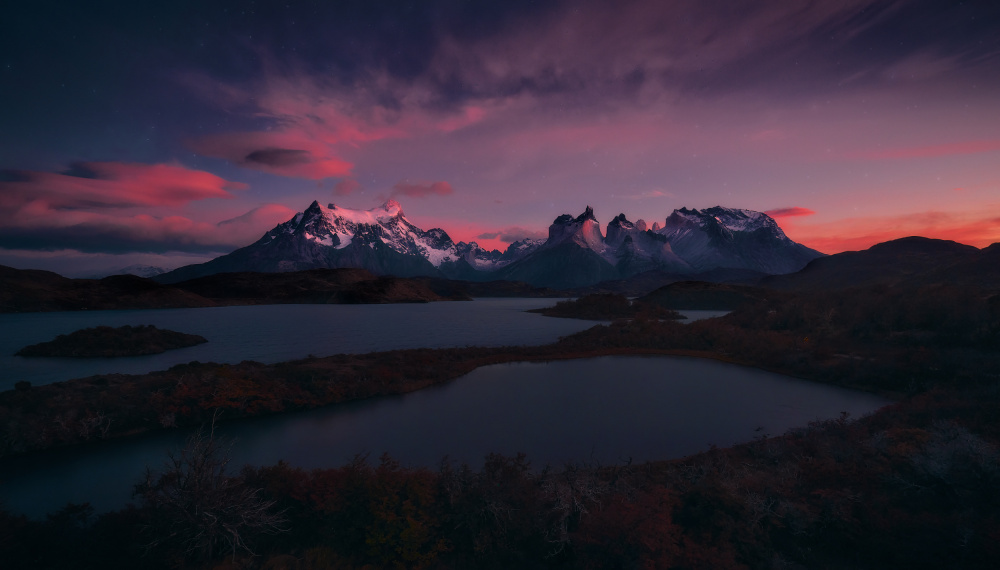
[576, 253]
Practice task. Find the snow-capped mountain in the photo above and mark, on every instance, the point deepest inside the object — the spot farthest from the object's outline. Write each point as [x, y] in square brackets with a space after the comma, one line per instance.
[728, 237]
[636, 249]
[691, 241]
[341, 228]
[575, 254]
[381, 240]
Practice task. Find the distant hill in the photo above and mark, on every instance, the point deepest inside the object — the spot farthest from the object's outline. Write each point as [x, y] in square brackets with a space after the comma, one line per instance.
[27, 290]
[314, 286]
[642, 283]
[909, 261]
[700, 295]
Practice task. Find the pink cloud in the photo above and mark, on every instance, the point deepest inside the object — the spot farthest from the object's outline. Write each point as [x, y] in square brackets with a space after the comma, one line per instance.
[314, 124]
[789, 212]
[87, 208]
[113, 185]
[422, 189]
[346, 187]
[37, 226]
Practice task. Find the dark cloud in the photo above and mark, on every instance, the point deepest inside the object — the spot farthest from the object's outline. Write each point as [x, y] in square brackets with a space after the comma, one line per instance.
[105, 233]
[103, 238]
[63, 60]
[279, 157]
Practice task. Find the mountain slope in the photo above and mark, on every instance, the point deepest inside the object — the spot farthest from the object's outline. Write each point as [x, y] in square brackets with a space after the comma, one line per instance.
[727, 237]
[380, 240]
[637, 249]
[573, 255]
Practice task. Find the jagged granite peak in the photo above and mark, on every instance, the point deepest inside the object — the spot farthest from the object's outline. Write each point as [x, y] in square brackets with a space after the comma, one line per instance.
[618, 228]
[656, 227]
[578, 254]
[588, 214]
[583, 230]
[636, 249]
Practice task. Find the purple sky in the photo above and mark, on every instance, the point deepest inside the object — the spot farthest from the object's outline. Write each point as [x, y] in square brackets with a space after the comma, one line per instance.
[172, 136]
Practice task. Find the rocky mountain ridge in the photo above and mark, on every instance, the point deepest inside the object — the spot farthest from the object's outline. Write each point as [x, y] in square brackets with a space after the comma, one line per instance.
[576, 253]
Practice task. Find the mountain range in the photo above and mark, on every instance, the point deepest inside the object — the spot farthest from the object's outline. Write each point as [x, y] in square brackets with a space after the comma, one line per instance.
[575, 254]
[906, 264]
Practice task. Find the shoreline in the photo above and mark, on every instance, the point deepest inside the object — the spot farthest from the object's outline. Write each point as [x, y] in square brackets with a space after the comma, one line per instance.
[460, 362]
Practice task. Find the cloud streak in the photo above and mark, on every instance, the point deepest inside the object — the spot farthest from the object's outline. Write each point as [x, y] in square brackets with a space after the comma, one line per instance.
[422, 189]
[112, 185]
[92, 232]
[90, 208]
[789, 212]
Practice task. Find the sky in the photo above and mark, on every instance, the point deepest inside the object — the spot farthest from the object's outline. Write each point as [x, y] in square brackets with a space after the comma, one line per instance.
[171, 134]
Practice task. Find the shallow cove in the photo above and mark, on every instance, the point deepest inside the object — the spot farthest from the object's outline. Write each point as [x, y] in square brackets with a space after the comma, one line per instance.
[606, 409]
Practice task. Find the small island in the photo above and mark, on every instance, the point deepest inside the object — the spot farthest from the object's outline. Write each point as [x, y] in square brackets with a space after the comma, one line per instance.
[108, 342]
[608, 307]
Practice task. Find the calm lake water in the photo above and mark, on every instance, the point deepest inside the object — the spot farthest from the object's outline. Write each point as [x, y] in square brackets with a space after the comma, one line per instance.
[276, 333]
[605, 409]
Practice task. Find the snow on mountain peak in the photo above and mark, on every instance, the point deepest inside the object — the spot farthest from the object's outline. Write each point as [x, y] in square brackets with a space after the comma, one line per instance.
[732, 219]
[392, 207]
[383, 240]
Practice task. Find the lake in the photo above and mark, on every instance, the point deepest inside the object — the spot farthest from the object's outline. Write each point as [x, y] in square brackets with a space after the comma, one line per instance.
[608, 409]
[276, 333]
